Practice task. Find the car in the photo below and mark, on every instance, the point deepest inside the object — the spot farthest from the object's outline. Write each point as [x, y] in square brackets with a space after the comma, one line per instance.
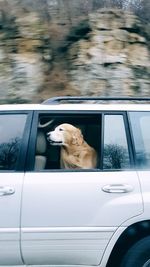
[76, 217]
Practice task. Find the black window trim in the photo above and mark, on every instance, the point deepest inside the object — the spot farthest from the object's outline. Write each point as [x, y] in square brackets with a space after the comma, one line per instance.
[32, 140]
[32, 143]
[102, 113]
[20, 165]
[131, 139]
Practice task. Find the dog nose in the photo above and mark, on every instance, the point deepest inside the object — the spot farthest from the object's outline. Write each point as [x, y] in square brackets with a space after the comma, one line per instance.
[48, 136]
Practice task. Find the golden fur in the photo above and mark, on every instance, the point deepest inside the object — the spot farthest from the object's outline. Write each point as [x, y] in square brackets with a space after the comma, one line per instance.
[75, 152]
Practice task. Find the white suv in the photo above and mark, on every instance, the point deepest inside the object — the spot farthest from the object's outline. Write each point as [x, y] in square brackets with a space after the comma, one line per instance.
[75, 217]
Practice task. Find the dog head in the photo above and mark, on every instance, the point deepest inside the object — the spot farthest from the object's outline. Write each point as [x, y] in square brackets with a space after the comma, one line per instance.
[65, 135]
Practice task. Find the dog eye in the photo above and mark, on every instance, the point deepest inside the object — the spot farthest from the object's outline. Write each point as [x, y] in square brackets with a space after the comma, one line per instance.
[60, 129]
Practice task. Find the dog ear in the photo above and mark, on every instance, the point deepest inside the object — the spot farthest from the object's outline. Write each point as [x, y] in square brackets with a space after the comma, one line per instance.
[77, 138]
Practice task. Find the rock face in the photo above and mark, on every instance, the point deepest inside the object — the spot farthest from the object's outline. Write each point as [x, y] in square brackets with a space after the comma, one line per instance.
[106, 54]
[114, 60]
[21, 65]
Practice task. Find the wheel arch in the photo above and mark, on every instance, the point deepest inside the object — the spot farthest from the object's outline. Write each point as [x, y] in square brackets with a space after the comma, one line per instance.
[128, 238]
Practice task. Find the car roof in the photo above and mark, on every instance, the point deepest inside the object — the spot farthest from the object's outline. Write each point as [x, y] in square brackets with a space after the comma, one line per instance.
[85, 103]
[76, 107]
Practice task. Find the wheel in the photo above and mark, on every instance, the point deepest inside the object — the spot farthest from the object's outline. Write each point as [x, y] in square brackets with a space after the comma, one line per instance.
[138, 255]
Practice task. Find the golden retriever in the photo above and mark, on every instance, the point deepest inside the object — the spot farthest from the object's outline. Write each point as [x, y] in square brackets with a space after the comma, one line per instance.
[75, 152]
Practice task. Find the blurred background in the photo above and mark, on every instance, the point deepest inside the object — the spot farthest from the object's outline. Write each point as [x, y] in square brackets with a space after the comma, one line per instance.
[73, 47]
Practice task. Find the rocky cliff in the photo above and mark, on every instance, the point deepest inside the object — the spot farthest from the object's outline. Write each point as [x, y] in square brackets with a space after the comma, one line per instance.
[114, 59]
[105, 54]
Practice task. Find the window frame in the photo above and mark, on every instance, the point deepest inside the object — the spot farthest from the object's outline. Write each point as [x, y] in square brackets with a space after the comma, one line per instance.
[34, 127]
[20, 164]
[51, 113]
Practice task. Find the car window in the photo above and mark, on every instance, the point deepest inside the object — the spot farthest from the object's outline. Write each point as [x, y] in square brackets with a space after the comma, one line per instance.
[11, 132]
[140, 122]
[48, 148]
[115, 147]
[116, 154]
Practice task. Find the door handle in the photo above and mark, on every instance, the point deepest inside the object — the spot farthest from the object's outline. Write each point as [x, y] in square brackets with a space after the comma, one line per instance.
[6, 190]
[117, 188]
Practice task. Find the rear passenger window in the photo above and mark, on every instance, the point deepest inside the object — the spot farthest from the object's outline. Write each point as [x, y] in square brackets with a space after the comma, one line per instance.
[116, 154]
[52, 140]
[49, 142]
[67, 148]
[11, 132]
[140, 125]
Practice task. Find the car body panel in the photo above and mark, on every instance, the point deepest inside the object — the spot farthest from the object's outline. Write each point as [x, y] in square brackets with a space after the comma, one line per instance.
[67, 217]
[10, 219]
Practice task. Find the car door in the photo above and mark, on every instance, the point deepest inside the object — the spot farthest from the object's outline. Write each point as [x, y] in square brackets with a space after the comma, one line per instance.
[140, 121]
[13, 137]
[69, 216]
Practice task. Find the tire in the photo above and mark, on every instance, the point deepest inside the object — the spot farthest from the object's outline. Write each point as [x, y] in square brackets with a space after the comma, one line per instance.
[138, 255]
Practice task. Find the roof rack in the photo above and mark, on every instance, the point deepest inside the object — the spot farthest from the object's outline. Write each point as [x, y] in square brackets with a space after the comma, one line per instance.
[80, 99]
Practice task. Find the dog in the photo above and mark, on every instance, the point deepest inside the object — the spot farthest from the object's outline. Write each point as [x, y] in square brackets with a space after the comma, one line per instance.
[75, 152]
